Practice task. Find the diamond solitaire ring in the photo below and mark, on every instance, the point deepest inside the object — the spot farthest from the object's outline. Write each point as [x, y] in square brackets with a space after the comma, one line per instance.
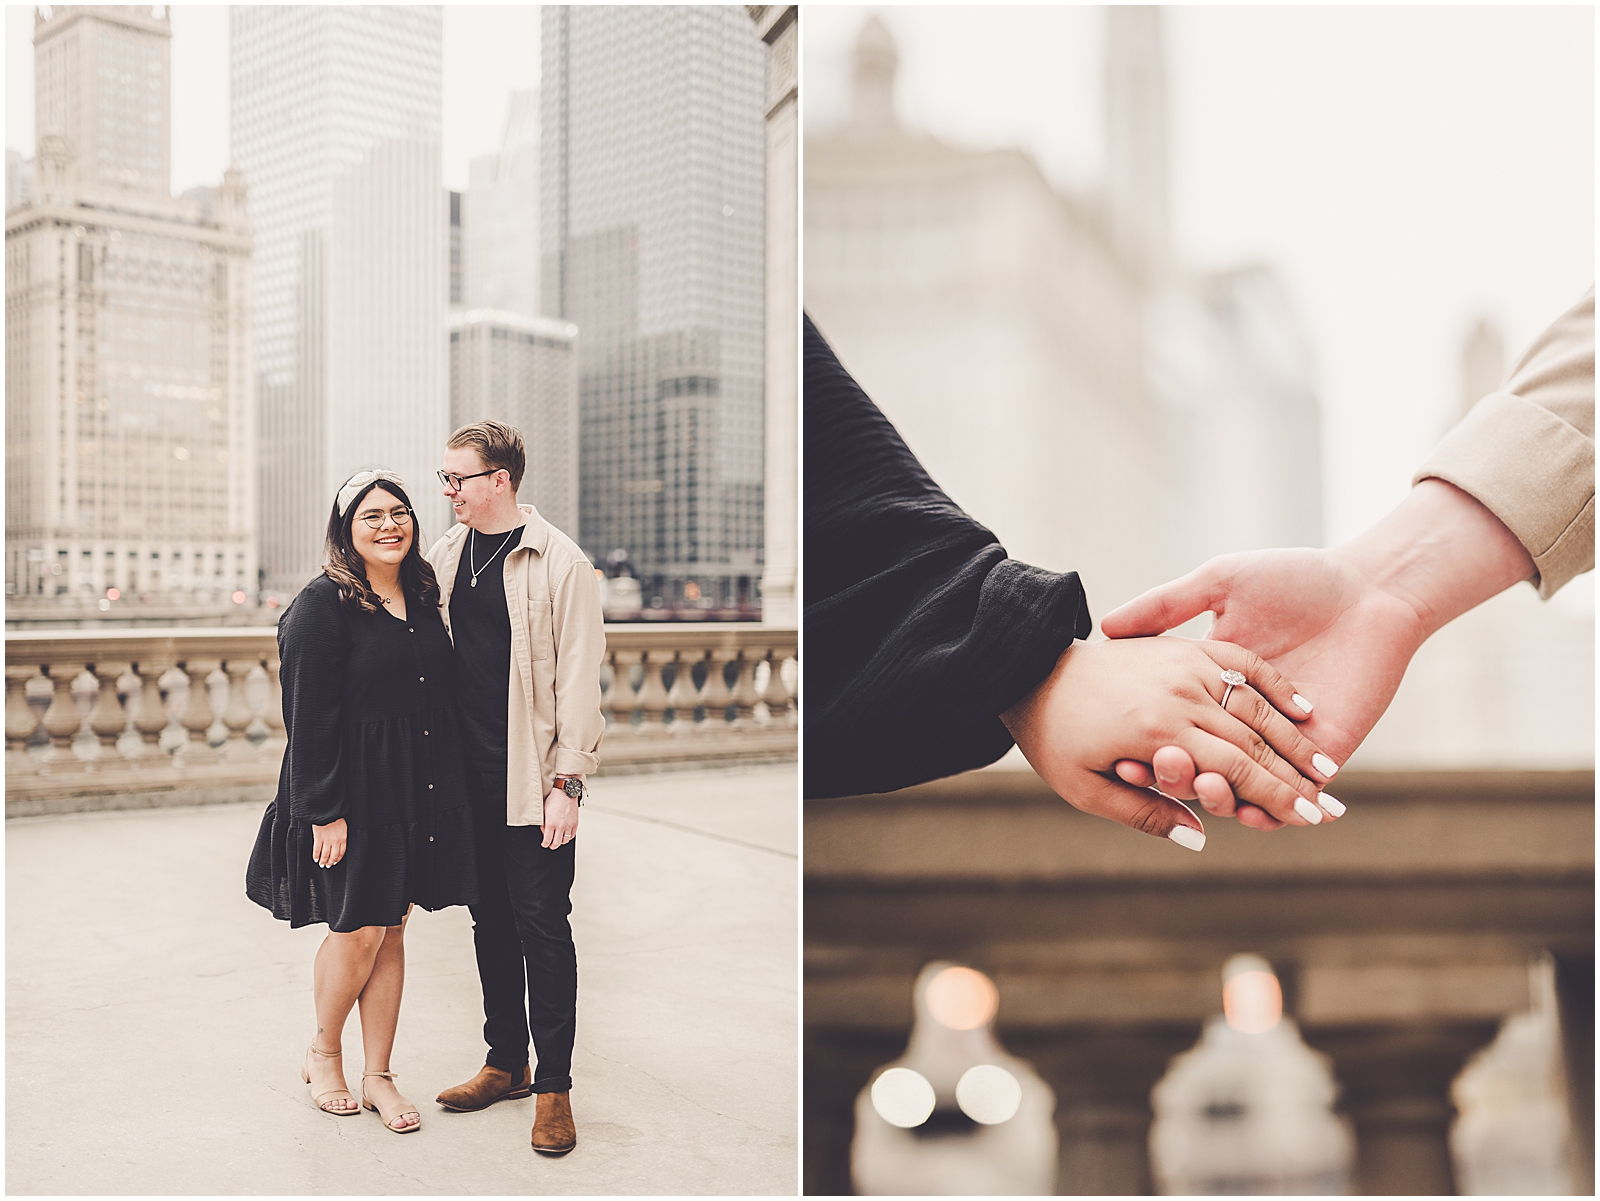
[1232, 679]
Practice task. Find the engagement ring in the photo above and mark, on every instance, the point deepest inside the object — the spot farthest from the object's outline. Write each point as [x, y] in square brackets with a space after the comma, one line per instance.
[1232, 679]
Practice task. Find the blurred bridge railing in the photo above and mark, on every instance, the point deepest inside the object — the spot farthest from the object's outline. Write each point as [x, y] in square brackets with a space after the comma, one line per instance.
[136, 718]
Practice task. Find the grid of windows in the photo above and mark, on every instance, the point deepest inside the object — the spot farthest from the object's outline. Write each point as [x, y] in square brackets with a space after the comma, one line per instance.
[651, 206]
[523, 371]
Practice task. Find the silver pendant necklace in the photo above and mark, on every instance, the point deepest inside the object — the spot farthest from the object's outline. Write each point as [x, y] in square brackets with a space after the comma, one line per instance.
[472, 562]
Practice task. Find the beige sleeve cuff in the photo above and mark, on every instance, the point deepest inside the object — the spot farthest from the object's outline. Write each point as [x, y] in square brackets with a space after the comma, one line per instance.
[570, 762]
[1533, 471]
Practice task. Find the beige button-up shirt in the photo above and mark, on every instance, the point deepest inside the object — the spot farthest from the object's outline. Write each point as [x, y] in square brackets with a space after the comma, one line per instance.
[1526, 450]
[558, 644]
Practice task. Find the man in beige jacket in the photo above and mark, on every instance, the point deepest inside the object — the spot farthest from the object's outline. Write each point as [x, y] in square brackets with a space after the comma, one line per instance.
[522, 606]
[1507, 496]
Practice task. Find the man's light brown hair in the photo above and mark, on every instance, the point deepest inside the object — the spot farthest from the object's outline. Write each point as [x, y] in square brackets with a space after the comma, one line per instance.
[497, 444]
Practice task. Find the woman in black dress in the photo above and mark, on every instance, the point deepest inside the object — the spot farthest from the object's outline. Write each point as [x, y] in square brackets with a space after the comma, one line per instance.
[371, 814]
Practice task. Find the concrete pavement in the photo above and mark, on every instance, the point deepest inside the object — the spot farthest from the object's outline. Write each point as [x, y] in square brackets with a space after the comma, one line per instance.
[156, 1019]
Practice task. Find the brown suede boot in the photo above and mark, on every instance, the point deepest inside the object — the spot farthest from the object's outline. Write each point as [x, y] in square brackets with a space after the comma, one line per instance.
[554, 1132]
[487, 1087]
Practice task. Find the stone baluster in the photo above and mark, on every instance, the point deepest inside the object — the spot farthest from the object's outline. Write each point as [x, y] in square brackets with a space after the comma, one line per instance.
[21, 720]
[273, 713]
[237, 715]
[623, 697]
[1102, 1077]
[1394, 1084]
[745, 695]
[197, 714]
[684, 697]
[608, 691]
[776, 693]
[106, 718]
[62, 719]
[653, 695]
[715, 695]
[149, 714]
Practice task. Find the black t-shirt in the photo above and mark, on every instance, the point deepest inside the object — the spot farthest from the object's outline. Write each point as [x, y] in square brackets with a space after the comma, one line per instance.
[482, 629]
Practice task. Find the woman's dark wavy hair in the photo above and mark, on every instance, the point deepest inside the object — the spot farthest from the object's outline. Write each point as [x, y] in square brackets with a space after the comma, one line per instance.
[346, 568]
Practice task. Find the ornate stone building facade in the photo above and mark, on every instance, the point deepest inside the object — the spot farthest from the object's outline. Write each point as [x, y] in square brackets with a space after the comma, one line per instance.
[130, 389]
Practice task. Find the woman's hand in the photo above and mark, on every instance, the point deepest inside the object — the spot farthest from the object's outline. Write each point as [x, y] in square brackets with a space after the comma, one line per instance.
[1111, 701]
[328, 843]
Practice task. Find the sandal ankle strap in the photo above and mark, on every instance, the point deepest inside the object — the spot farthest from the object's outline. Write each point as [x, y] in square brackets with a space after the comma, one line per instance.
[315, 1050]
[385, 1075]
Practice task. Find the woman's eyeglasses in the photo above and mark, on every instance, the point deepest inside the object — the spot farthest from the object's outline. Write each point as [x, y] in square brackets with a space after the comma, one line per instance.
[400, 516]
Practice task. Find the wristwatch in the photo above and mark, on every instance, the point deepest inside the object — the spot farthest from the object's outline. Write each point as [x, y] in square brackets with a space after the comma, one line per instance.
[572, 786]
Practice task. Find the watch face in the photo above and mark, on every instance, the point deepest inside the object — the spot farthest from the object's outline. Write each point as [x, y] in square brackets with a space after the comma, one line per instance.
[573, 788]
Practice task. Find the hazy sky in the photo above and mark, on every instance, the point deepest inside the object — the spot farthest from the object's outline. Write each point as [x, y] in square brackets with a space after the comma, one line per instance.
[1404, 169]
[488, 52]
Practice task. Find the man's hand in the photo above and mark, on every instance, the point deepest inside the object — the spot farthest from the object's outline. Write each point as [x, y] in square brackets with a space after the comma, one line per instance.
[560, 819]
[1313, 614]
[1103, 703]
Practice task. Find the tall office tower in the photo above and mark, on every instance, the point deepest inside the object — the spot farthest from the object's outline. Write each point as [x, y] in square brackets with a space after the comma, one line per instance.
[523, 371]
[500, 217]
[19, 180]
[336, 115]
[455, 248]
[130, 403]
[651, 205]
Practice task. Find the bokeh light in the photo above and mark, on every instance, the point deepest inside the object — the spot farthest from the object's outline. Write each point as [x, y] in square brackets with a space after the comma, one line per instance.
[962, 999]
[1252, 999]
[902, 1097]
[988, 1094]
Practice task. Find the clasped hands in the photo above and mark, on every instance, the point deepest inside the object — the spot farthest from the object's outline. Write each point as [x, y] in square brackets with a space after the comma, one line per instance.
[1118, 718]
[1335, 627]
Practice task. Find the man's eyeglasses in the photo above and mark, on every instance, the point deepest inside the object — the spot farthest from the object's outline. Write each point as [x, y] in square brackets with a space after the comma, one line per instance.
[400, 516]
[454, 482]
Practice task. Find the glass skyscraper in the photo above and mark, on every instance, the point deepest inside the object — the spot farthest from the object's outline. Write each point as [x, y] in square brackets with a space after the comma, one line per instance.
[652, 219]
[336, 114]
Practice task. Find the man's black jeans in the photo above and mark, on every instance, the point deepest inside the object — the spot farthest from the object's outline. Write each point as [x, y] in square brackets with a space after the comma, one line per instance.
[522, 935]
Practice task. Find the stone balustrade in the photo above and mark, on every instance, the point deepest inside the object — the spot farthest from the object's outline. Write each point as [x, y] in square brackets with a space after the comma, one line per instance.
[129, 718]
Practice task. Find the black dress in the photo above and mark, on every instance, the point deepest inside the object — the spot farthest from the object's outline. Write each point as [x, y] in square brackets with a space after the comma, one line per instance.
[369, 703]
[919, 631]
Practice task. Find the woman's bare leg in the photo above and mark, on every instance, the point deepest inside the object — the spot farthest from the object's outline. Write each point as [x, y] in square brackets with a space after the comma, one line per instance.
[341, 970]
[380, 1016]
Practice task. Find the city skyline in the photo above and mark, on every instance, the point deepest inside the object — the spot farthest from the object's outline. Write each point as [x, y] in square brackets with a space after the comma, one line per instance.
[130, 390]
[351, 260]
[1368, 208]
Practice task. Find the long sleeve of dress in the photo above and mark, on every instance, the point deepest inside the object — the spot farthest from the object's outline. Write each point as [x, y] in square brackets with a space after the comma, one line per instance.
[312, 649]
[1526, 450]
[919, 631]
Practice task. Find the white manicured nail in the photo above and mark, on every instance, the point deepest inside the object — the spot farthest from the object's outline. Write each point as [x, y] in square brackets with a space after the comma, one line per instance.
[1307, 810]
[1334, 808]
[1305, 705]
[1188, 837]
[1325, 765]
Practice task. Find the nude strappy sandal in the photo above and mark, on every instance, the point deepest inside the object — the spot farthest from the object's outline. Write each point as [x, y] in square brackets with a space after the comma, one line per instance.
[321, 1100]
[388, 1118]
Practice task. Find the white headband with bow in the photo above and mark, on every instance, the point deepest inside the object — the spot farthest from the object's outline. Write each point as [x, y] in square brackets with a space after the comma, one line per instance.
[360, 480]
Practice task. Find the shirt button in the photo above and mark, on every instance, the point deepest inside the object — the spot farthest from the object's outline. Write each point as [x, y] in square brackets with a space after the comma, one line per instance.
[430, 785]
[430, 838]
[424, 733]
[420, 679]
[413, 629]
